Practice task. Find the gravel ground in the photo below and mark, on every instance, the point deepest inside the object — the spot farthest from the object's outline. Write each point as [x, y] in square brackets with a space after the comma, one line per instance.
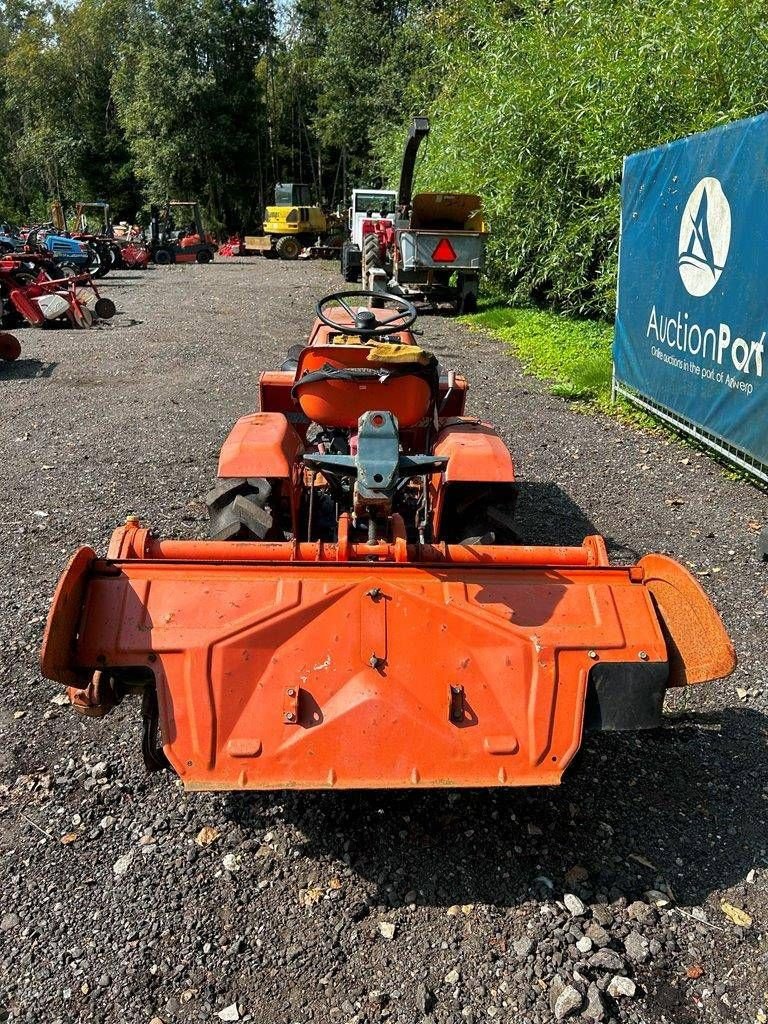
[125, 900]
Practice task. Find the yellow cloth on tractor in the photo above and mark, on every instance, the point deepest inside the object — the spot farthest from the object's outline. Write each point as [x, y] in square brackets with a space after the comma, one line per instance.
[391, 352]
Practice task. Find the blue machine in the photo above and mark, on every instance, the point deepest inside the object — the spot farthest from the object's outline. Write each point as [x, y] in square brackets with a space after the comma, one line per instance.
[691, 338]
[67, 251]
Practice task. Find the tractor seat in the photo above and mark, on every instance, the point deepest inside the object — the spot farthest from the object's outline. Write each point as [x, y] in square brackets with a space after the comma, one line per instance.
[336, 384]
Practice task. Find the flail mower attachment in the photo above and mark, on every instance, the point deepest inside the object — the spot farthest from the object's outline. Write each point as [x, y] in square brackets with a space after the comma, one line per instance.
[369, 619]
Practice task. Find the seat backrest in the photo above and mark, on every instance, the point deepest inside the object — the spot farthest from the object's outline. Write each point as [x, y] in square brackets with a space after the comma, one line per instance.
[341, 403]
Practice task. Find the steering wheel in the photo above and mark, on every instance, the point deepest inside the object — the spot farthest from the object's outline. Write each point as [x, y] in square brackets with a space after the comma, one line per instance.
[365, 323]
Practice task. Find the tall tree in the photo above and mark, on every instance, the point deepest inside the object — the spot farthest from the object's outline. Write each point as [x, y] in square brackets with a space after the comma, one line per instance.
[190, 101]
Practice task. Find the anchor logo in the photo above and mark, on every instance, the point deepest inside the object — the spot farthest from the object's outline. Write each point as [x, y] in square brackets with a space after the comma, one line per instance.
[705, 237]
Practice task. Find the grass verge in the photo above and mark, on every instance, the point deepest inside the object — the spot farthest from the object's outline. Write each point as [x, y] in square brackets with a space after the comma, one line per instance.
[574, 356]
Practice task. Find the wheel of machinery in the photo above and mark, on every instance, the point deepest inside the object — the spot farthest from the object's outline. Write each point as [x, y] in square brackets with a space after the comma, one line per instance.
[371, 253]
[105, 260]
[105, 308]
[239, 508]
[163, 257]
[117, 256]
[349, 271]
[10, 349]
[204, 256]
[67, 270]
[287, 248]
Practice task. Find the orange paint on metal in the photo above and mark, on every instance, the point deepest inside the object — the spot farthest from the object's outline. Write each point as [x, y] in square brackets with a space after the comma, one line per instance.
[475, 453]
[130, 542]
[341, 403]
[262, 444]
[225, 639]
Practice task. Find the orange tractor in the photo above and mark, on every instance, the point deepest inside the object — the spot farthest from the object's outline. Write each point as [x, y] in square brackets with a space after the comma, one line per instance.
[364, 615]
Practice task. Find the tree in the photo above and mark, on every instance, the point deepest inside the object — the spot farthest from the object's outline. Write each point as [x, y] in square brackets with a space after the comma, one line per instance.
[190, 102]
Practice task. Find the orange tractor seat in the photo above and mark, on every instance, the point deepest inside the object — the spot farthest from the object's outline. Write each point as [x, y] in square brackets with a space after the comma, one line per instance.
[403, 390]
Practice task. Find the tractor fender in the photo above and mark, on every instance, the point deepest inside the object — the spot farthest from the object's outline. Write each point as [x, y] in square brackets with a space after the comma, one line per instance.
[263, 444]
[475, 453]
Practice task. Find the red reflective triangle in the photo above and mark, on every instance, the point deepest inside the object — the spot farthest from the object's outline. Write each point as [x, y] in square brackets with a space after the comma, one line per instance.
[444, 252]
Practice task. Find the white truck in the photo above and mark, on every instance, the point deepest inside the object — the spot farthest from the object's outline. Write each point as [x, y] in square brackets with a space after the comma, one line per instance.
[430, 246]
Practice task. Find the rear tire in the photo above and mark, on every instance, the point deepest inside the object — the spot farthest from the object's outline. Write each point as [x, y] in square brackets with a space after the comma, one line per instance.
[287, 248]
[204, 256]
[239, 509]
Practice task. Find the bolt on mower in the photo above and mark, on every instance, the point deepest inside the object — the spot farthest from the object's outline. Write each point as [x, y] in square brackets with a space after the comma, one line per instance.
[364, 614]
[33, 290]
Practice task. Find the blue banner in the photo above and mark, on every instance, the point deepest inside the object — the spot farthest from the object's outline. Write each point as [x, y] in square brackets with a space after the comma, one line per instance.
[692, 312]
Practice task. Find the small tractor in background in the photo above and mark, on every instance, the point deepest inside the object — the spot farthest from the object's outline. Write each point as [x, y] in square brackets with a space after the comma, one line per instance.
[293, 227]
[176, 234]
[121, 252]
[102, 256]
[429, 246]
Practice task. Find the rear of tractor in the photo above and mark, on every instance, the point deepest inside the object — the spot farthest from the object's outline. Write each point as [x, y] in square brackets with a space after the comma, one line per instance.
[429, 246]
[364, 614]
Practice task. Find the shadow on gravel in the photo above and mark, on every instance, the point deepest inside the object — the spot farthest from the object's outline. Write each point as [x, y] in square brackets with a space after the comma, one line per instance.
[24, 369]
[679, 808]
[545, 514]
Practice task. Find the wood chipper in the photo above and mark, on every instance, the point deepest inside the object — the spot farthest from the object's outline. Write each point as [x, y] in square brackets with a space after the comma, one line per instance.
[428, 246]
[363, 614]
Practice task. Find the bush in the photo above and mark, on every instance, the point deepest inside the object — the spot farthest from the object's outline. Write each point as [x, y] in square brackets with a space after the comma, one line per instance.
[539, 102]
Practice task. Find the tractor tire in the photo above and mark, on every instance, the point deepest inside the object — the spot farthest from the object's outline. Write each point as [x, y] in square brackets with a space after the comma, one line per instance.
[163, 257]
[239, 509]
[287, 248]
[66, 270]
[94, 261]
[117, 256]
[467, 303]
[349, 269]
[371, 253]
[204, 256]
[105, 256]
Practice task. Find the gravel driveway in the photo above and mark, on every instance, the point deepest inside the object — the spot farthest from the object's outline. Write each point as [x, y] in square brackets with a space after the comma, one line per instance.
[123, 899]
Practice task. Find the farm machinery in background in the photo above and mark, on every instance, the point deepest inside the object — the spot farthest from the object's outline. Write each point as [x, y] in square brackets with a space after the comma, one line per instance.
[177, 235]
[92, 224]
[364, 614]
[61, 251]
[429, 246]
[292, 229]
[35, 290]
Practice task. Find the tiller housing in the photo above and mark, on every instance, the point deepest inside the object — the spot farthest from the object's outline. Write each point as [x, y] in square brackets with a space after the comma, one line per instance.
[364, 615]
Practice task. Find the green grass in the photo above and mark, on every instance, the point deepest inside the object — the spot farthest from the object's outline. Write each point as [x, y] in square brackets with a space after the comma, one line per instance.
[574, 356]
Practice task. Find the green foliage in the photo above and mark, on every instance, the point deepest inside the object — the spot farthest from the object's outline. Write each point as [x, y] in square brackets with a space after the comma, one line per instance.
[573, 355]
[541, 99]
[189, 100]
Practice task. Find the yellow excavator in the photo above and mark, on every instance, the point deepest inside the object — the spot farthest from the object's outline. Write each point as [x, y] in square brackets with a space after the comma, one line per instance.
[291, 225]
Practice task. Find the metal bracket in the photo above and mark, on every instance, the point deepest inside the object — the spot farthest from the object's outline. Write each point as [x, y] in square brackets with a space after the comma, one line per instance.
[291, 705]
